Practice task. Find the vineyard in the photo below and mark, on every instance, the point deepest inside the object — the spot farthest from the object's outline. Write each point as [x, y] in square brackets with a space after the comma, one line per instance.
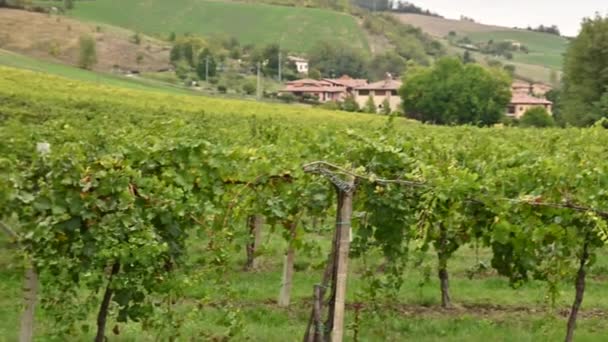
[136, 215]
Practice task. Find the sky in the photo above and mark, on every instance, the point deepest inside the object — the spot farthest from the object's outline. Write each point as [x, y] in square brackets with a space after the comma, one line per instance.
[521, 13]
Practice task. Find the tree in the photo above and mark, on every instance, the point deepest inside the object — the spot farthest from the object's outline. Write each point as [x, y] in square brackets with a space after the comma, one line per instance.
[370, 106]
[537, 117]
[451, 92]
[69, 4]
[88, 52]
[206, 65]
[350, 104]
[386, 107]
[389, 62]
[510, 69]
[585, 77]
[467, 58]
[335, 59]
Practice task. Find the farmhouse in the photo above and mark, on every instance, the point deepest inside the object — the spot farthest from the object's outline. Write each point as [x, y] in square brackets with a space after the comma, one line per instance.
[323, 90]
[520, 103]
[379, 92]
[300, 63]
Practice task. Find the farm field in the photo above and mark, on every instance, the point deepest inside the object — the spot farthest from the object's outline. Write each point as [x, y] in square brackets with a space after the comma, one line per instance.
[296, 29]
[141, 178]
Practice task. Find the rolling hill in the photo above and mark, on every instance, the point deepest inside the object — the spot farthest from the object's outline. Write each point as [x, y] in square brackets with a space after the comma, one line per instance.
[295, 28]
[546, 50]
[56, 39]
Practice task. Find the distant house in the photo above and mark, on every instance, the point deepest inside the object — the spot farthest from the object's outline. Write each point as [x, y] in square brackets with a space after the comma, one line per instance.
[379, 92]
[521, 87]
[521, 102]
[536, 89]
[300, 63]
[348, 82]
[323, 90]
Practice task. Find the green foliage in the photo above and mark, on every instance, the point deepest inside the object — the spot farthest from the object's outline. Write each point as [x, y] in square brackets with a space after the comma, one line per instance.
[206, 65]
[249, 88]
[585, 76]
[87, 56]
[386, 107]
[157, 172]
[370, 106]
[453, 93]
[68, 4]
[333, 59]
[136, 39]
[187, 49]
[350, 104]
[389, 62]
[537, 117]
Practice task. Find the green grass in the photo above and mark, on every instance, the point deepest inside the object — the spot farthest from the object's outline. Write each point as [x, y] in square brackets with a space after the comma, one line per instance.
[23, 62]
[545, 49]
[486, 307]
[296, 29]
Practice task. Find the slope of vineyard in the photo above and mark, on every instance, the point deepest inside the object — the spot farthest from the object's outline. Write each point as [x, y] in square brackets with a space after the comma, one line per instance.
[295, 28]
[142, 201]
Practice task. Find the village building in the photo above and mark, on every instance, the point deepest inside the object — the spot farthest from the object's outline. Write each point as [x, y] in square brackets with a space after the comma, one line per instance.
[300, 63]
[379, 92]
[325, 90]
[521, 103]
[526, 96]
[322, 90]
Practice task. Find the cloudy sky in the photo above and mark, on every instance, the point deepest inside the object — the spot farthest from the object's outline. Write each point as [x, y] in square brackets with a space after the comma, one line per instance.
[563, 13]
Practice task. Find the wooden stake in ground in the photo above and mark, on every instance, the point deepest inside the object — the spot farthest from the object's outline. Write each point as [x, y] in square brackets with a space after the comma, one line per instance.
[288, 267]
[255, 223]
[343, 227]
[30, 293]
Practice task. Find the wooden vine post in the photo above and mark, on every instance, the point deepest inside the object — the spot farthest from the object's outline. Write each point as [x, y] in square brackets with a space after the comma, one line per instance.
[30, 294]
[254, 223]
[337, 265]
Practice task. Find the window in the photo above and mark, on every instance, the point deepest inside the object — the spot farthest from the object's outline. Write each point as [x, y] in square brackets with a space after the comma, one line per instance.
[393, 92]
[511, 109]
[380, 93]
[364, 92]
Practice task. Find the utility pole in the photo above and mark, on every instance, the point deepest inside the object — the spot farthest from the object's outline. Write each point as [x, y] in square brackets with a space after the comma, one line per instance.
[258, 92]
[280, 67]
[207, 68]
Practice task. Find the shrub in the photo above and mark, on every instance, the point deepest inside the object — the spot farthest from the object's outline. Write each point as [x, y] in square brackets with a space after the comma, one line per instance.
[222, 89]
[287, 97]
[537, 117]
[249, 88]
[88, 52]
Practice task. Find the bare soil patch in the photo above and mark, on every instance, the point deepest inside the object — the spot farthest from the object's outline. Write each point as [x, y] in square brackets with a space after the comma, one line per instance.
[56, 38]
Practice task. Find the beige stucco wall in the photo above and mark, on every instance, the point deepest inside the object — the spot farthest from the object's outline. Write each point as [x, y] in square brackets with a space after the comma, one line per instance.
[394, 100]
[521, 109]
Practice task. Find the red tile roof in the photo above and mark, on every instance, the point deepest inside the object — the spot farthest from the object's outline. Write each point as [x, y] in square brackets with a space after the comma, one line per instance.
[313, 89]
[347, 81]
[382, 85]
[527, 99]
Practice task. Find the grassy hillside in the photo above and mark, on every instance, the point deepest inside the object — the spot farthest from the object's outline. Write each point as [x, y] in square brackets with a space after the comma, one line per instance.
[546, 50]
[56, 38]
[15, 60]
[297, 29]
